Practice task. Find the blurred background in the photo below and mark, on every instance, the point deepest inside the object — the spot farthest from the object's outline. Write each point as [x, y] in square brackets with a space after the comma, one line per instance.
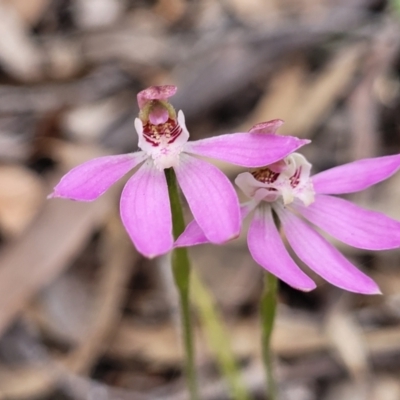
[82, 315]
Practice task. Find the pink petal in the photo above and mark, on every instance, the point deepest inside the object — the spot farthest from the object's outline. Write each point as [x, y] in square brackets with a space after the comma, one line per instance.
[352, 224]
[193, 234]
[155, 93]
[211, 198]
[268, 250]
[356, 176]
[269, 127]
[145, 211]
[322, 257]
[88, 181]
[246, 149]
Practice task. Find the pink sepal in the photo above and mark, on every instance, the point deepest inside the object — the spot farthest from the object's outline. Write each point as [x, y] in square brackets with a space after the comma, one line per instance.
[155, 93]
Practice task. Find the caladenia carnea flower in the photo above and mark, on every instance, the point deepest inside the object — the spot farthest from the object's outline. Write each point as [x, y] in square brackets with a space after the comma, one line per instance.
[285, 191]
[163, 140]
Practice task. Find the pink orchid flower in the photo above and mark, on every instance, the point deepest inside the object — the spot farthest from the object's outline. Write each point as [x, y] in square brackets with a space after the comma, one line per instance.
[286, 189]
[163, 139]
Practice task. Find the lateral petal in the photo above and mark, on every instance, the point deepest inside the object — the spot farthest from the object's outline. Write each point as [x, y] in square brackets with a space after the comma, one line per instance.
[356, 176]
[146, 213]
[246, 149]
[352, 224]
[211, 198]
[268, 250]
[193, 234]
[90, 180]
[322, 257]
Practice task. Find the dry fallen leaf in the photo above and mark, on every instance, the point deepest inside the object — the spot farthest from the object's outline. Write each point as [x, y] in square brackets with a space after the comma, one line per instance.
[19, 54]
[29, 11]
[21, 194]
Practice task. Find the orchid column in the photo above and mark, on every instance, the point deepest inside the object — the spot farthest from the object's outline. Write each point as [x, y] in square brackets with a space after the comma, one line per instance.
[150, 209]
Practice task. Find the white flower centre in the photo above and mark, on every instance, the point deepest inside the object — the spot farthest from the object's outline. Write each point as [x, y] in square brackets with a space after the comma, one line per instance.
[288, 180]
[163, 142]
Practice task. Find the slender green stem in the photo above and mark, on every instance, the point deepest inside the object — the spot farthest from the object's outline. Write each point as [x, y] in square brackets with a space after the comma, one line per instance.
[218, 338]
[268, 311]
[396, 6]
[181, 271]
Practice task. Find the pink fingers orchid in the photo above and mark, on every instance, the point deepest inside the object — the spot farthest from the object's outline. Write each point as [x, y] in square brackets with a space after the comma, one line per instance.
[163, 140]
[301, 202]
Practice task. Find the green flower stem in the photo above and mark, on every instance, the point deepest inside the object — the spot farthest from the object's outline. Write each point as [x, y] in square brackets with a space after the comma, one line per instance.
[268, 311]
[218, 338]
[181, 271]
[396, 6]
